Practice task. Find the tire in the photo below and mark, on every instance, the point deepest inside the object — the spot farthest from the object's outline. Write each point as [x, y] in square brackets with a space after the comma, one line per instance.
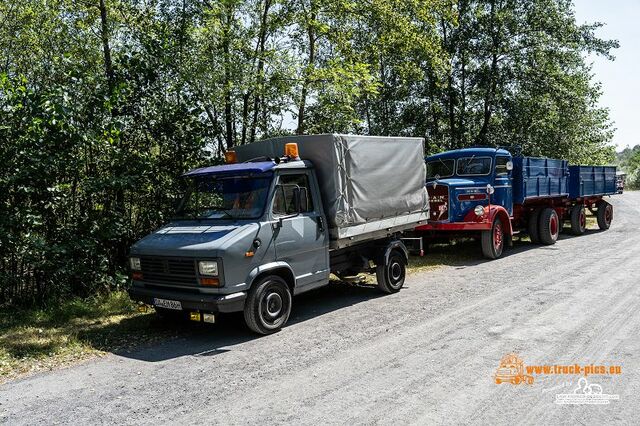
[604, 214]
[532, 226]
[268, 306]
[578, 220]
[493, 240]
[391, 273]
[549, 226]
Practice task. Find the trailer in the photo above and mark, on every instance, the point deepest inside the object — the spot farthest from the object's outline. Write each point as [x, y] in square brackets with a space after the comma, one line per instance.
[490, 194]
[276, 220]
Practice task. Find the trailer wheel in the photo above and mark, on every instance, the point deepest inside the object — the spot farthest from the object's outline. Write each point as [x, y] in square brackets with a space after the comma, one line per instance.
[493, 240]
[604, 214]
[391, 273]
[578, 220]
[549, 226]
[532, 226]
[268, 306]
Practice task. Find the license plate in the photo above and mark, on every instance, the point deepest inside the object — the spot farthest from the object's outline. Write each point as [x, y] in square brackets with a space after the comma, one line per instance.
[168, 304]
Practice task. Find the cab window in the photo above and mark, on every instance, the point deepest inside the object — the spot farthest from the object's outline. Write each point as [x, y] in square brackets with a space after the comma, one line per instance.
[440, 168]
[501, 165]
[284, 199]
[472, 166]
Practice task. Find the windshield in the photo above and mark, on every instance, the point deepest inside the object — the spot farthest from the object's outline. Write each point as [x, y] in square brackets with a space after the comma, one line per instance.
[229, 197]
[440, 168]
[470, 166]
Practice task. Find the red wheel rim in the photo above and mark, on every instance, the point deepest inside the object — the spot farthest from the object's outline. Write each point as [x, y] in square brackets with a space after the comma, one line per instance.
[553, 225]
[608, 213]
[497, 237]
[583, 220]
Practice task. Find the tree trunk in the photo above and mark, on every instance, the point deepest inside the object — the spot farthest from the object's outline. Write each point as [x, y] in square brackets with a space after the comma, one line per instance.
[228, 119]
[451, 95]
[262, 38]
[104, 35]
[305, 83]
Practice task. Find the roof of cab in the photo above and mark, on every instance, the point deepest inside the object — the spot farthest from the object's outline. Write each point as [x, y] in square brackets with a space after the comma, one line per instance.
[247, 168]
[233, 169]
[456, 153]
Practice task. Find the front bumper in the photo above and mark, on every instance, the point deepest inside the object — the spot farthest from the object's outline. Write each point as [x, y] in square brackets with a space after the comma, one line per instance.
[214, 303]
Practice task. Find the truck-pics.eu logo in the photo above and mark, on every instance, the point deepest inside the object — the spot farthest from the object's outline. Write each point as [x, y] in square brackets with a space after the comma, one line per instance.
[512, 370]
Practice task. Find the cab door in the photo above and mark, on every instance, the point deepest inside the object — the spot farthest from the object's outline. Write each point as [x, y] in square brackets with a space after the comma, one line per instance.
[503, 194]
[301, 238]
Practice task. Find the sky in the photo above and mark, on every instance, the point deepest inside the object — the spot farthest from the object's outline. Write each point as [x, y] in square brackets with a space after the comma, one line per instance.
[620, 79]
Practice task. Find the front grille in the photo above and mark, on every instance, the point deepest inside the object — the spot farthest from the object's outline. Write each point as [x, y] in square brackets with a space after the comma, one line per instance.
[175, 271]
[438, 202]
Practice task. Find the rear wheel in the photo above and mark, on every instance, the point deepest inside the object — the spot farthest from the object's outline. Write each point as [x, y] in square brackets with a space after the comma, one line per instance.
[493, 240]
[532, 226]
[391, 273]
[604, 214]
[578, 220]
[549, 226]
[268, 305]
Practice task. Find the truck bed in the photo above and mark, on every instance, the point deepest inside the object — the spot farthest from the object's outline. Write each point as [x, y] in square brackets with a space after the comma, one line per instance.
[586, 181]
[349, 235]
[539, 178]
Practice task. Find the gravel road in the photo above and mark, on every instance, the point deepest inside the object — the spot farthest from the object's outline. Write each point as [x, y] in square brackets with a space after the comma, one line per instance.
[425, 355]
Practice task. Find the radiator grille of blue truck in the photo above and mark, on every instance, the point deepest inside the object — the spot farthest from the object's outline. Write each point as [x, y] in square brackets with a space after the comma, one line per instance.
[164, 270]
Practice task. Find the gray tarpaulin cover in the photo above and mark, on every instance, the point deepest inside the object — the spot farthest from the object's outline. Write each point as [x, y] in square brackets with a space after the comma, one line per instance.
[362, 178]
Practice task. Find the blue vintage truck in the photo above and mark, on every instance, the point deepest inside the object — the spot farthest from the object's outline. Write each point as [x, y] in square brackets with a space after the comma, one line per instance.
[490, 193]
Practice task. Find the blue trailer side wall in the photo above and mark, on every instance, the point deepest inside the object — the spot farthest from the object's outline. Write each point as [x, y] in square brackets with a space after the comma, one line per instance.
[585, 181]
[539, 178]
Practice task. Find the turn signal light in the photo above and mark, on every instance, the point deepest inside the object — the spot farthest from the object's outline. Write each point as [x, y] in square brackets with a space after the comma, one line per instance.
[230, 157]
[291, 150]
[137, 276]
[210, 281]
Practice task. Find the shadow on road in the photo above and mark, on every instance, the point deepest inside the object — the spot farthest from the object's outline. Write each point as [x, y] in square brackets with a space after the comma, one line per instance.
[200, 339]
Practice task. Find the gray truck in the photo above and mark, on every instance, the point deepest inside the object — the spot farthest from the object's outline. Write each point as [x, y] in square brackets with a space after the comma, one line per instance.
[276, 220]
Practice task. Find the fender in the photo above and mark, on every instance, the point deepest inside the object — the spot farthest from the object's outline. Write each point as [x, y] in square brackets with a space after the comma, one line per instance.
[270, 267]
[396, 244]
[489, 215]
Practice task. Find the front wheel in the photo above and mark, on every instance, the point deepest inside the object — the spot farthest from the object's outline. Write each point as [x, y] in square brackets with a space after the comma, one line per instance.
[493, 240]
[268, 306]
[604, 214]
[391, 273]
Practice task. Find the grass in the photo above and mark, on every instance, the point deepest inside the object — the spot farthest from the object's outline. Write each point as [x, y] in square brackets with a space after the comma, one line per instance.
[37, 340]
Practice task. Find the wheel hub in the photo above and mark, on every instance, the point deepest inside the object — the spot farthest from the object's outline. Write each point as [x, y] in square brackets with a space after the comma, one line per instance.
[273, 303]
[396, 272]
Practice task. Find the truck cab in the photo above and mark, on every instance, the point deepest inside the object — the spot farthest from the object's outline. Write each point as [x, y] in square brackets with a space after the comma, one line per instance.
[468, 189]
[234, 224]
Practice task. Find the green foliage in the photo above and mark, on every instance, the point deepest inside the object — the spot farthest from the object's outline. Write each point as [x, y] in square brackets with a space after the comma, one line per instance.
[105, 103]
[628, 160]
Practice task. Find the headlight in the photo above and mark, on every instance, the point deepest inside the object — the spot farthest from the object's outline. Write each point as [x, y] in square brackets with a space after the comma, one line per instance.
[134, 262]
[478, 210]
[208, 267]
